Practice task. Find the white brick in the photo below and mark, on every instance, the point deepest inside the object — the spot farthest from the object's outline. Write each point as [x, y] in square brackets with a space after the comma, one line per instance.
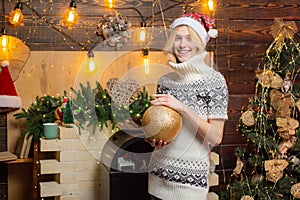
[89, 185]
[93, 144]
[89, 175]
[88, 165]
[53, 166]
[50, 145]
[90, 195]
[68, 197]
[76, 177]
[68, 177]
[68, 133]
[53, 188]
[70, 189]
[212, 196]
[214, 158]
[72, 145]
[213, 179]
[49, 189]
[75, 155]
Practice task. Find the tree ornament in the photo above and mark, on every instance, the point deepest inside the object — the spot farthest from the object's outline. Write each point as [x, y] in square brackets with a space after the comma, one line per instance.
[248, 117]
[283, 30]
[274, 169]
[161, 123]
[295, 191]
[286, 84]
[122, 93]
[285, 145]
[257, 178]
[247, 197]
[238, 167]
[269, 78]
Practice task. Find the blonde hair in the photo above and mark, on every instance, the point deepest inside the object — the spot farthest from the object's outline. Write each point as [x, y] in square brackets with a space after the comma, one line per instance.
[169, 46]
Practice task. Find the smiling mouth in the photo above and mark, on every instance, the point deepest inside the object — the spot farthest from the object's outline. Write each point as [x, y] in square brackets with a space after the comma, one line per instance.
[185, 52]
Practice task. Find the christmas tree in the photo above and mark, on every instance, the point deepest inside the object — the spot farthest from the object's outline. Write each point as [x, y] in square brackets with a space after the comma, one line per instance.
[68, 117]
[268, 167]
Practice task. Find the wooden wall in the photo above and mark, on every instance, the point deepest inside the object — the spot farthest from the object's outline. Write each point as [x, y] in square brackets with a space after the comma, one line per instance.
[244, 35]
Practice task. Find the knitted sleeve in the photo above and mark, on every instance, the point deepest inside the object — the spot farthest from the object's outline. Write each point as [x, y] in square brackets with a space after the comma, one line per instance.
[217, 106]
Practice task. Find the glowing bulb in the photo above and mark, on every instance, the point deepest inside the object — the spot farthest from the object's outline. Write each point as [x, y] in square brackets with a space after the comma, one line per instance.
[141, 35]
[110, 3]
[91, 66]
[145, 54]
[15, 17]
[4, 41]
[210, 5]
[71, 16]
[146, 65]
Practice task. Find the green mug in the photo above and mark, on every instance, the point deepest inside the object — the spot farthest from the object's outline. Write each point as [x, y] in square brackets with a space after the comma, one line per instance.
[50, 130]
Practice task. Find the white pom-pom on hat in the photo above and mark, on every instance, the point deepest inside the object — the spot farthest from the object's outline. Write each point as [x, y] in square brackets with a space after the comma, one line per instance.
[5, 63]
[213, 33]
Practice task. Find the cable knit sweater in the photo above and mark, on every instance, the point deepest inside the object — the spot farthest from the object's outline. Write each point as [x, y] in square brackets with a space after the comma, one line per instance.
[179, 171]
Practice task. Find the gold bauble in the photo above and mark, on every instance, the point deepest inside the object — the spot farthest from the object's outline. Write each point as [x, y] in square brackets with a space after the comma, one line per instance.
[161, 123]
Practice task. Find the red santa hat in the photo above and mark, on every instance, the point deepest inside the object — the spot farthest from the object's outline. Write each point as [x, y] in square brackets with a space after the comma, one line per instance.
[201, 24]
[8, 94]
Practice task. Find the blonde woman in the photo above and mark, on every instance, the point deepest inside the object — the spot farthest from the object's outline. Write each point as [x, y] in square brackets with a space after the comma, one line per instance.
[179, 170]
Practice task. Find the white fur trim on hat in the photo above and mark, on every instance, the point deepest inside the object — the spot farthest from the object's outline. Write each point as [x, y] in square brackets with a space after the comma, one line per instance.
[195, 25]
[7, 101]
[5, 63]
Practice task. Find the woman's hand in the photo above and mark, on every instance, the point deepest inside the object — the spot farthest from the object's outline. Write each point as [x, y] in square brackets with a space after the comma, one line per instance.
[156, 144]
[167, 100]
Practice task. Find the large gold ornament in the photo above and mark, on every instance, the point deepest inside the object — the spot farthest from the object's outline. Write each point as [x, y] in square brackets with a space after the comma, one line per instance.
[161, 123]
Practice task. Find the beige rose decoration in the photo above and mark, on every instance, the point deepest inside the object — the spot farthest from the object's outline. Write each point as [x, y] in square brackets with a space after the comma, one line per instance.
[274, 169]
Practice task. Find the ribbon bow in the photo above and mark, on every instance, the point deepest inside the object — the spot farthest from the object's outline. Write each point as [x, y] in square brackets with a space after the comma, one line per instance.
[283, 30]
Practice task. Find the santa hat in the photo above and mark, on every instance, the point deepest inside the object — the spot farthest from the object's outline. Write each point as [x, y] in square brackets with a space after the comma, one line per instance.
[201, 24]
[8, 94]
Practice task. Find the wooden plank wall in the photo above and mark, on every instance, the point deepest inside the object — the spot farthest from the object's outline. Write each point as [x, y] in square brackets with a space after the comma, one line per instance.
[244, 35]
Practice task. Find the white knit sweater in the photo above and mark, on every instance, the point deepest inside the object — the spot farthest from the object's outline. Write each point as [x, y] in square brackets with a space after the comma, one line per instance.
[180, 170]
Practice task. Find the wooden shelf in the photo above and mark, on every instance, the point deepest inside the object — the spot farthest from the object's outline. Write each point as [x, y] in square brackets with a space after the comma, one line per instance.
[19, 161]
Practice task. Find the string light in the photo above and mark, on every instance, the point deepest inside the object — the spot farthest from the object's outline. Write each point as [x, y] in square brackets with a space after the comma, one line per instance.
[91, 65]
[110, 4]
[4, 41]
[16, 17]
[141, 35]
[145, 54]
[210, 4]
[71, 16]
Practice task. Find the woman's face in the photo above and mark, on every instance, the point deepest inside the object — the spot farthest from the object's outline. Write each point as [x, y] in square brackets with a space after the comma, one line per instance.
[184, 46]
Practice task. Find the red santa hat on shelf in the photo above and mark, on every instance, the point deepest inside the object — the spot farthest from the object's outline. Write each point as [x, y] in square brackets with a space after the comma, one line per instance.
[8, 94]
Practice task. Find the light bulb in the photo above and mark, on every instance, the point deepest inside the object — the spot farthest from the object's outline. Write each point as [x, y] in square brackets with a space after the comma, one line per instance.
[15, 17]
[146, 65]
[145, 54]
[210, 4]
[91, 66]
[110, 3]
[71, 16]
[4, 41]
[141, 35]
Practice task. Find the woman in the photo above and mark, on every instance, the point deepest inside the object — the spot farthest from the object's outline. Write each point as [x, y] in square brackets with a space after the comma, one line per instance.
[179, 170]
